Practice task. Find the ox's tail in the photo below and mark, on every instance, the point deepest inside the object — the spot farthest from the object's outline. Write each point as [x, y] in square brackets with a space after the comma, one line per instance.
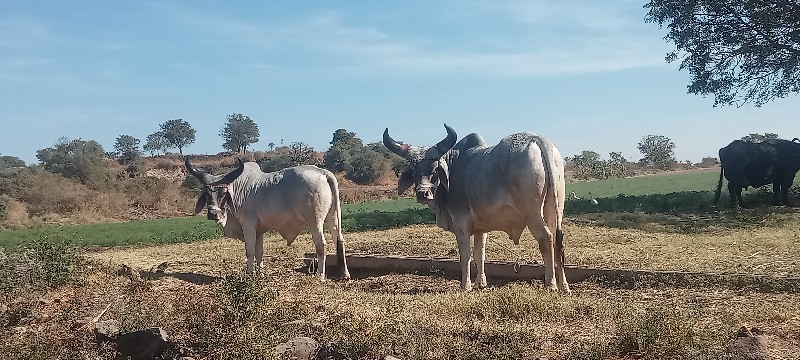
[335, 224]
[554, 195]
[719, 185]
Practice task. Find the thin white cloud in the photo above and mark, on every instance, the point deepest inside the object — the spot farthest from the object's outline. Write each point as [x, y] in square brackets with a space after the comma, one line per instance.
[597, 40]
[17, 32]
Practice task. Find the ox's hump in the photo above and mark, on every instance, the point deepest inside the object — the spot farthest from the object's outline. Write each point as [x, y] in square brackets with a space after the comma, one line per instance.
[470, 141]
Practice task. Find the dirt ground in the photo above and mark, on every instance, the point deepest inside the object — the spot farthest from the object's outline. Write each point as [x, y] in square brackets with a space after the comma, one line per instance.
[770, 251]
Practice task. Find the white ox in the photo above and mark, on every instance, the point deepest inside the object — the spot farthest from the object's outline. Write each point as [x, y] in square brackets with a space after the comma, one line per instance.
[248, 202]
[474, 188]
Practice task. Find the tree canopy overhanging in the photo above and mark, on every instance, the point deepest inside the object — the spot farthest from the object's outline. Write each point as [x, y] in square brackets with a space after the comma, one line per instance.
[741, 51]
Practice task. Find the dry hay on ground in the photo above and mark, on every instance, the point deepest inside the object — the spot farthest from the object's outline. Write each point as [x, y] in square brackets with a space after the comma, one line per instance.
[422, 316]
[206, 305]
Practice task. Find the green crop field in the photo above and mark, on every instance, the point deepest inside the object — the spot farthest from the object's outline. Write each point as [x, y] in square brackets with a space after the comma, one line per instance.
[648, 185]
[669, 193]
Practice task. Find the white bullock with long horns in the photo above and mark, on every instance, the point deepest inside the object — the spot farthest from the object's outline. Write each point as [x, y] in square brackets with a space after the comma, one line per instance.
[248, 202]
[474, 188]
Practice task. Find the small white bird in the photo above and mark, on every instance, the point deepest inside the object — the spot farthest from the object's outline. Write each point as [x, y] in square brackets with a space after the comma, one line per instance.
[592, 199]
[574, 196]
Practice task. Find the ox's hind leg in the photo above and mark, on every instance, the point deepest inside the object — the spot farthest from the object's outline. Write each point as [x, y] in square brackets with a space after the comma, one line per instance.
[336, 233]
[319, 246]
[544, 237]
[479, 255]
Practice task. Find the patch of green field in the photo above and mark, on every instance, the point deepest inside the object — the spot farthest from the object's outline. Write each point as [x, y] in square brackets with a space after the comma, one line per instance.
[382, 205]
[160, 231]
[678, 193]
[647, 185]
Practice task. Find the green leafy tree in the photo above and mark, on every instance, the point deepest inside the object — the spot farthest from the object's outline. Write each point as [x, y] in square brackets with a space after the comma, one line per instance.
[126, 149]
[658, 151]
[757, 138]
[239, 132]
[178, 133]
[366, 167]
[397, 162]
[10, 162]
[738, 50]
[77, 159]
[156, 143]
[343, 145]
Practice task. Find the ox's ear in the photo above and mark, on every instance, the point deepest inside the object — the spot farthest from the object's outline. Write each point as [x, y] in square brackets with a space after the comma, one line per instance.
[443, 175]
[228, 201]
[201, 203]
[405, 181]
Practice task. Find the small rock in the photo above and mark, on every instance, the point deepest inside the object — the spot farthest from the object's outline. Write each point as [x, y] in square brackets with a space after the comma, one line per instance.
[390, 357]
[143, 344]
[3, 308]
[299, 348]
[106, 330]
[748, 345]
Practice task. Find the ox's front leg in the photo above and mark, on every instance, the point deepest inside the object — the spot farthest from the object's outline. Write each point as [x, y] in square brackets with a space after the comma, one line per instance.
[462, 238]
[259, 251]
[479, 254]
[249, 246]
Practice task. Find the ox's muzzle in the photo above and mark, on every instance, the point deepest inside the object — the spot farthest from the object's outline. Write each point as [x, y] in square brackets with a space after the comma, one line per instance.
[214, 213]
[424, 195]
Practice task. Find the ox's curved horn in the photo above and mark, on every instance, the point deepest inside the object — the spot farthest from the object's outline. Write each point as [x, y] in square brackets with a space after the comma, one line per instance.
[448, 142]
[203, 177]
[394, 146]
[231, 176]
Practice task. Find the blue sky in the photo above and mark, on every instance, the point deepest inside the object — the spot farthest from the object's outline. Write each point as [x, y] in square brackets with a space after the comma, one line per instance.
[588, 75]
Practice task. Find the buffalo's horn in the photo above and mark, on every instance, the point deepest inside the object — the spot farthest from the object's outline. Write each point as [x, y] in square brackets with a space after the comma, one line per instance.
[394, 146]
[231, 176]
[448, 142]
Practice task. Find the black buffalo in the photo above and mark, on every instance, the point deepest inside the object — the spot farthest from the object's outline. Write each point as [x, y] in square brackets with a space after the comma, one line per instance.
[744, 164]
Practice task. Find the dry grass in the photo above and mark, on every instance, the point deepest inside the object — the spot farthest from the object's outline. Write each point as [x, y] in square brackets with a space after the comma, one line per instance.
[206, 304]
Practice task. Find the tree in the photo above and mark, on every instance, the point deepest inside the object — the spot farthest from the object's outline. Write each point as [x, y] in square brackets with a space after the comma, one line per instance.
[126, 149]
[239, 132]
[178, 134]
[738, 50]
[658, 151]
[757, 138]
[77, 159]
[300, 153]
[10, 162]
[271, 146]
[588, 165]
[618, 165]
[156, 143]
[343, 145]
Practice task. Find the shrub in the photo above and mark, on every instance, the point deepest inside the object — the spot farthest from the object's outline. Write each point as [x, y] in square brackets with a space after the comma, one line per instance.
[367, 167]
[3, 209]
[42, 263]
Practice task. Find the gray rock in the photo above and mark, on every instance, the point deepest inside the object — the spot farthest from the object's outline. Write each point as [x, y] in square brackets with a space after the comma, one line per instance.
[106, 331]
[143, 344]
[748, 345]
[299, 348]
